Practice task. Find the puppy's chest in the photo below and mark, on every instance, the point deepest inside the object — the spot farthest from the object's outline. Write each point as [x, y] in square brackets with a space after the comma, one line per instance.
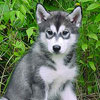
[59, 76]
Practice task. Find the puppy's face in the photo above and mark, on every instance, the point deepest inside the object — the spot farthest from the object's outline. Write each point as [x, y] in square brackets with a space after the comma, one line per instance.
[59, 41]
[58, 30]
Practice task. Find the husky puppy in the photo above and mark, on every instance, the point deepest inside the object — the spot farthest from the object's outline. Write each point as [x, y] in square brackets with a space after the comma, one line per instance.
[47, 71]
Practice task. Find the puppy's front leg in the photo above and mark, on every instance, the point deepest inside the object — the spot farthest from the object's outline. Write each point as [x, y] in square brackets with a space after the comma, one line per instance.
[68, 93]
[3, 98]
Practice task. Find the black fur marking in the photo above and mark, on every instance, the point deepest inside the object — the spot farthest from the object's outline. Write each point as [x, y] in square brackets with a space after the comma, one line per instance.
[64, 85]
[68, 58]
[38, 91]
[58, 20]
[47, 56]
[51, 66]
[44, 50]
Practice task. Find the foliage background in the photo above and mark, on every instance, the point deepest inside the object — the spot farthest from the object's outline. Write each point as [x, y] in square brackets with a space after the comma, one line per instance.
[18, 31]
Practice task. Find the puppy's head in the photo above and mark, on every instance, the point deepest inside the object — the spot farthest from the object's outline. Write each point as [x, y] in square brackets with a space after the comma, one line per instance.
[58, 29]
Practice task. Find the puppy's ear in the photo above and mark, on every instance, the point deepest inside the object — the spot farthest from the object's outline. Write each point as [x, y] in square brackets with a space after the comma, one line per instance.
[41, 13]
[76, 16]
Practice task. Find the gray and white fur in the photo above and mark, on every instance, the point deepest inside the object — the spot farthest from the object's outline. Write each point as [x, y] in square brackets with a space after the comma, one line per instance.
[47, 71]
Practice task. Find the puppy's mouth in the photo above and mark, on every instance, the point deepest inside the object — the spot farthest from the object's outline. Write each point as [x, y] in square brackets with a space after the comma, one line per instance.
[56, 52]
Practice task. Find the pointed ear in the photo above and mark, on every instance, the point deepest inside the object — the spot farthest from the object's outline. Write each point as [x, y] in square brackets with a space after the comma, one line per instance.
[41, 13]
[76, 16]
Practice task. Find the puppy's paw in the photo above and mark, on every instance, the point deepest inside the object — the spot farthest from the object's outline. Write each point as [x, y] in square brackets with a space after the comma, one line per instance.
[3, 98]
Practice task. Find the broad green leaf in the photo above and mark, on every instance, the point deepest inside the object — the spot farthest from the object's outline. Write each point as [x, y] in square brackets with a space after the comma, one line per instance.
[29, 32]
[84, 46]
[20, 16]
[2, 27]
[92, 65]
[23, 9]
[12, 16]
[13, 2]
[98, 44]
[17, 23]
[70, 9]
[93, 36]
[6, 16]
[93, 6]
[97, 19]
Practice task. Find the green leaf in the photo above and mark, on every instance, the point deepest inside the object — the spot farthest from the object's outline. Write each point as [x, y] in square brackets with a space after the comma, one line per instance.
[17, 23]
[98, 27]
[41, 1]
[85, 0]
[89, 89]
[1, 38]
[92, 65]
[91, 56]
[31, 41]
[20, 45]
[16, 54]
[2, 27]
[50, 7]
[2, 2]
[6, 16]
[17, 58]
[93, 36]
[20, 16]
[23, 9]
[98, 44]
[70, 9]
[5, 8]
[13, 3]
[93, 6]
[29, 32]
[26, 2]
[12, 16]
[84, 47]
[81, 61]
[97, 19]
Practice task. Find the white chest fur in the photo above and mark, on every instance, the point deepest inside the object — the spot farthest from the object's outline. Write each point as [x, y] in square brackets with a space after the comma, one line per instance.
[58, 76]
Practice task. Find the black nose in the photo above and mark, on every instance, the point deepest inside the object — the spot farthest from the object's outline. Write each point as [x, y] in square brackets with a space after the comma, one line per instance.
[56, 48]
